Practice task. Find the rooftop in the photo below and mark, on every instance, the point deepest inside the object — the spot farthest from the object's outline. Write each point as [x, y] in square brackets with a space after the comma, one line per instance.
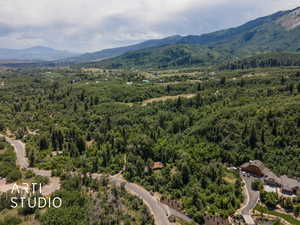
[256, 163]
[289, 183]
[157, 165]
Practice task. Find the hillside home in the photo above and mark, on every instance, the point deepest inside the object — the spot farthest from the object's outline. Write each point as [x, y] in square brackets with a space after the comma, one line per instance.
[288, 185]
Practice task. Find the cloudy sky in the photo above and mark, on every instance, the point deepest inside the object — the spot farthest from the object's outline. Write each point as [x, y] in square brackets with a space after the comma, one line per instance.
[90, 25]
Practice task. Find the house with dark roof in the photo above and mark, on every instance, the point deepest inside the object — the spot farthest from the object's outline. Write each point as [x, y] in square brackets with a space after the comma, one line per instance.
[288, 185]
[255, 167]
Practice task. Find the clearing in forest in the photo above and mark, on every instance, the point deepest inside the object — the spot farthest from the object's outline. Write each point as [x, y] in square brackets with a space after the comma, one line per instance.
[165, 98]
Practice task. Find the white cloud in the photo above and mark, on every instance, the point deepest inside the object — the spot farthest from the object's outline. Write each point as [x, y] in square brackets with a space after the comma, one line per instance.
[96, 24]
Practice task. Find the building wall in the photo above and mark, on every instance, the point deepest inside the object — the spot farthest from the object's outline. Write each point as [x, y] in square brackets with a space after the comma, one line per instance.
[271, 182]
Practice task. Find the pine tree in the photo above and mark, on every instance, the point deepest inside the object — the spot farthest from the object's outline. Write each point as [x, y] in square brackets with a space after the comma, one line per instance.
[263, 136]
[253, 138]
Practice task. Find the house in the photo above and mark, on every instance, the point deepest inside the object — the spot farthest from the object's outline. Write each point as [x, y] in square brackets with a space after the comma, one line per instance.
[290, 186]
[271, 179]
[255, 167]
[258, 169]
[157, 166]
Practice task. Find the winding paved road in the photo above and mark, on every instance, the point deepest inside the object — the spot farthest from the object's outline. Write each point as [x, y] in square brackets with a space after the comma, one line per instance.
[22, 161]
[19, 147]
[160, 211]
[156, 208]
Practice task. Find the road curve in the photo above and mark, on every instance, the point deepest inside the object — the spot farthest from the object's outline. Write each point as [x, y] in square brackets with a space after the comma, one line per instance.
[156, 208]
[160, 211]
[22, 162]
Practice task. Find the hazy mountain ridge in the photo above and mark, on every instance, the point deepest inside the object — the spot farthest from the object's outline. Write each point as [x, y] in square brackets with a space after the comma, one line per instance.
[114, 52]
[37, 53]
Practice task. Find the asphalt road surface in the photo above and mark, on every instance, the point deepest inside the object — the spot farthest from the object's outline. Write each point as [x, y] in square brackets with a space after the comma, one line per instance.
[19, 147]
[157, 209]
[253, 196]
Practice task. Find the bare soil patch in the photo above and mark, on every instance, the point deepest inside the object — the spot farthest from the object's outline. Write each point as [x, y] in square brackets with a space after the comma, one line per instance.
[165, 98]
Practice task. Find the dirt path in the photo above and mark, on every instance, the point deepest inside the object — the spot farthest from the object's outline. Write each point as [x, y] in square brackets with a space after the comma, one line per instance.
[4, 187]
[165, 98]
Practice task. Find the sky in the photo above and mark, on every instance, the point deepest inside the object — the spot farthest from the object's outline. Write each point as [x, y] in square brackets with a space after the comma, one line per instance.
[92, 25]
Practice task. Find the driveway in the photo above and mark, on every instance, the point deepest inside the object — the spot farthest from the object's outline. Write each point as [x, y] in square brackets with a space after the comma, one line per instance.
[252, 199]
[252, 195]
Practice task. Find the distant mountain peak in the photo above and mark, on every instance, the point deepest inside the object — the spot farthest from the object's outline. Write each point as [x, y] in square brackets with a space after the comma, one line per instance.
[35, 53]
[291, 20]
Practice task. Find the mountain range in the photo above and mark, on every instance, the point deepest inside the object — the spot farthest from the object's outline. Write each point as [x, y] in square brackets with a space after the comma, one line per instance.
[38, 53]
[273, 33]
[277, 32]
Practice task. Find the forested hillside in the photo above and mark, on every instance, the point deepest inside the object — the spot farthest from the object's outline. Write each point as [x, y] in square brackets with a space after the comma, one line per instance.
[274, 59]
[98, 120]
[166, 57]
[114, 52]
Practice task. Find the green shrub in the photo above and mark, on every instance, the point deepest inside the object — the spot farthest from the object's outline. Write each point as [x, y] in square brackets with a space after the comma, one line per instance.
[41, 180]
[257, 185]
[11, 221]
[2, 139]
[26, 209]
[286, 217]
[29, 174]
[269, 199]
[14, 175]
[2, 145]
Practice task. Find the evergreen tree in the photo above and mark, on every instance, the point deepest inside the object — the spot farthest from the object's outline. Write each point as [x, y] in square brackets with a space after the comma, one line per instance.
[253, 138]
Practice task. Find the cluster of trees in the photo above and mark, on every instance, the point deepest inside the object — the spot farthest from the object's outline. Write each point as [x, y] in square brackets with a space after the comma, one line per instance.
[274, 59]
[166, 57]
[272, 201]
[257, 185]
